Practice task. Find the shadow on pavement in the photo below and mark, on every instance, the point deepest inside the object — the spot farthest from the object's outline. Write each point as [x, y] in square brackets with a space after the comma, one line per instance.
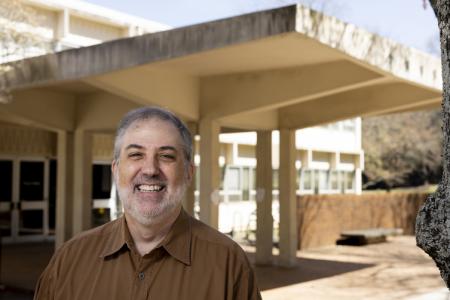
[8, 293]
[21, 265]
[270, 277]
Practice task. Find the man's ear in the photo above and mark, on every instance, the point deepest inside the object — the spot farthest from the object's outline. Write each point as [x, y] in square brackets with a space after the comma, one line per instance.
[190, 172]
[114, 167]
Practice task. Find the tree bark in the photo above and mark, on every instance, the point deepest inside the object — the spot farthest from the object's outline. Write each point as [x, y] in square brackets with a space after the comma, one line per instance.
[433, 220]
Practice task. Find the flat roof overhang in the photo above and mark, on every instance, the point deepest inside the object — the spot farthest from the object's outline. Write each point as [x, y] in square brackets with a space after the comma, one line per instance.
[288, 67]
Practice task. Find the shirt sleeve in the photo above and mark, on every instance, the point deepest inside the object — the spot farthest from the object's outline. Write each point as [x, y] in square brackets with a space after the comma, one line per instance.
[246, 287]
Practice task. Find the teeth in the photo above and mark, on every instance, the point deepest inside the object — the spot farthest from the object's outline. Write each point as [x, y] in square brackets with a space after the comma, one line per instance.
[150, 187]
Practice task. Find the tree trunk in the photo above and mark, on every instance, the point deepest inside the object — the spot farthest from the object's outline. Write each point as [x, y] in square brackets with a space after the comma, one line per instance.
[433, 220]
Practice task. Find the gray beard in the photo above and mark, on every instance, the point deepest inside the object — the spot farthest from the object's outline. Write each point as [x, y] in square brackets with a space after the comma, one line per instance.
[164, 208]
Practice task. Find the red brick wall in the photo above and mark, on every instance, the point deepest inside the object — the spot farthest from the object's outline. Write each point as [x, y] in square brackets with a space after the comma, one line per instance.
[321, 218]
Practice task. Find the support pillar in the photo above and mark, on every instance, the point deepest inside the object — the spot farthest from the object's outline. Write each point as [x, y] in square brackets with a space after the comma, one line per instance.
[288, 199]
[264, 220]
[209, 172]
[64, 188]
[82, 181]
[189, 197]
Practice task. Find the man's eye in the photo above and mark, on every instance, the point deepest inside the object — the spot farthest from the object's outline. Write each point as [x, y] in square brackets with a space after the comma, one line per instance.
[134, 155]
[168, 157]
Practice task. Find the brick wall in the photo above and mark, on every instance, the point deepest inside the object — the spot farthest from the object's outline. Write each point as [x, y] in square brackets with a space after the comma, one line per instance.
[321, 218]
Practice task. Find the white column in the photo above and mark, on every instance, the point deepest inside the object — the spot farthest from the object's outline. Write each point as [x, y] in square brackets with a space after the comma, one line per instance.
[264, 220]
[82, 181]
[359, 165]
[288, 199]
[209, 172]
[62, 28]
[64, 188]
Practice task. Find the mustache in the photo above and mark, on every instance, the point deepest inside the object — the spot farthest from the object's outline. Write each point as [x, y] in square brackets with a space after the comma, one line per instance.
[146, 179]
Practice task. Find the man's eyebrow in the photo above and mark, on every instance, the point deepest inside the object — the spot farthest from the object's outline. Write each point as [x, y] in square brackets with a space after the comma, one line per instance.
[134, 146]
[168, 148]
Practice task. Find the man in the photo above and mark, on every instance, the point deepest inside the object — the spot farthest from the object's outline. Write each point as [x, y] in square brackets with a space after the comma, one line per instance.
[156, 251]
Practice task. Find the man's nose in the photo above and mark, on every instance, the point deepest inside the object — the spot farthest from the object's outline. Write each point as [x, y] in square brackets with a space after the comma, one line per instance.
[150, 167]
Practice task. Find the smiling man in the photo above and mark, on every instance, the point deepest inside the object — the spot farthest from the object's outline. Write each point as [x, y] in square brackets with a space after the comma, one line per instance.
[156, 250]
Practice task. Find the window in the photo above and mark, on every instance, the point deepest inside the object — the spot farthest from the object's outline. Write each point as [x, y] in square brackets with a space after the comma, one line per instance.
[306, 180]
[349, 125]
[349, 180]
[31, 181]
[334, 180]
[101, 181]
[6, 170]
[323, 180]
[232, 178]
[316, 181]
[245, 183]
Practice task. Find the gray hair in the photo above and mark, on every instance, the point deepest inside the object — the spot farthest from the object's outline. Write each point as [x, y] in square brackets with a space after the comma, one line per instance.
[147, 113]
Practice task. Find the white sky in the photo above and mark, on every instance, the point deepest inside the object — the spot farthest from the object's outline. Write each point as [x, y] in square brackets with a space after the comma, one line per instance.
[405, 21]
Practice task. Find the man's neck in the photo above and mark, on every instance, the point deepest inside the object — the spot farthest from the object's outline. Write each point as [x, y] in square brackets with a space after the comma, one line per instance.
[147, 237]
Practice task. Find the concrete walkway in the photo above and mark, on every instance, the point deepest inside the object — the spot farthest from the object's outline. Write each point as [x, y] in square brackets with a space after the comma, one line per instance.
[397, 269]
[393, 270]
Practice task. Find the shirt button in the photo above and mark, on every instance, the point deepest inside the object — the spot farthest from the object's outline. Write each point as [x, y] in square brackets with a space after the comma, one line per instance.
[141, 276]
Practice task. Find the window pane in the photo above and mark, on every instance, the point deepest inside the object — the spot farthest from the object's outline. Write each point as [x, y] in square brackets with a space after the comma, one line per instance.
[101, 181]
[349, 180]
[323, 180]
[232, 179]
[306, 179]
[253, 186]
[245, 183]
[31, 221]
[31, 181]
[6, 169]
[334, 180]
[316, 181]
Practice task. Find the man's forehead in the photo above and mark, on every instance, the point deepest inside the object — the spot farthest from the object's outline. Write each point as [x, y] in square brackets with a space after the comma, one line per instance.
[150, 127]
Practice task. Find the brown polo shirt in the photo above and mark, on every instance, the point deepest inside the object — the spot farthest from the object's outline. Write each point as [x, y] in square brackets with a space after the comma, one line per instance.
[193, 262]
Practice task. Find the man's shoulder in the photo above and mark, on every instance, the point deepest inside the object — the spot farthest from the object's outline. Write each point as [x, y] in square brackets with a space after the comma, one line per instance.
[92, 238]
[206, 236]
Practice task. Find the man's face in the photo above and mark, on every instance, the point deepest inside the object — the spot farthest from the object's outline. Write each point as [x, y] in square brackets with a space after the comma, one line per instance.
[151, 174]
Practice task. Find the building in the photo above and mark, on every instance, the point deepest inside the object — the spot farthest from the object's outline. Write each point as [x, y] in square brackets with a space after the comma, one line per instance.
[332, 165]
[57, 126]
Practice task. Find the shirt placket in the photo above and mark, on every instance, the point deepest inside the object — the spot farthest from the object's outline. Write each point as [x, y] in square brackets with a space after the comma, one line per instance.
[143, 276]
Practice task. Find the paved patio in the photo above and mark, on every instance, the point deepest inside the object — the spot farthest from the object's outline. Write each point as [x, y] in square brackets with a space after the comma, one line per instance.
[393, 270]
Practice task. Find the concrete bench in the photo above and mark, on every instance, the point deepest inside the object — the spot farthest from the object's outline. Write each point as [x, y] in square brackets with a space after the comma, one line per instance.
[367, 236]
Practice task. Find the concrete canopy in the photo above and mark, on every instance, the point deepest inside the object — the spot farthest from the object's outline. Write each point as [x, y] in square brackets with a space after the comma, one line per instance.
[284, 68]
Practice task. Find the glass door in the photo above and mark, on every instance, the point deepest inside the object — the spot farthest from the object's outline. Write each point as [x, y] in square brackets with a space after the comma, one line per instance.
[33, 205]
[6, 197]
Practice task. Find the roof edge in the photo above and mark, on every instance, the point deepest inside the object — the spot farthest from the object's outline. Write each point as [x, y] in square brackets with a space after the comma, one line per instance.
[124, 53]
[380, 52]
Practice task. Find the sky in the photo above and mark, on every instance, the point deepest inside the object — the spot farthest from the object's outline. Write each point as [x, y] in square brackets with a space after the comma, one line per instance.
[405, 21]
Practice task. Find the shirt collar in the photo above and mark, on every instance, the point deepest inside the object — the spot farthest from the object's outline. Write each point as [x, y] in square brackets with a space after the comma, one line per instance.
[177, 242]
[118, 237]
